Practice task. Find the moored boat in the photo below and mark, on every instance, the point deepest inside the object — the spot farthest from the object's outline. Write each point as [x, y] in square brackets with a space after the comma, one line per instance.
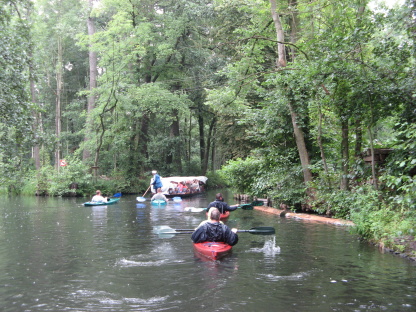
[109, 202]
[183, 186]
[212, 250]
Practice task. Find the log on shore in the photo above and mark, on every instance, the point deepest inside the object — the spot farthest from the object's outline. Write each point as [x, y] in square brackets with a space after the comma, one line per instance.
[304, 216]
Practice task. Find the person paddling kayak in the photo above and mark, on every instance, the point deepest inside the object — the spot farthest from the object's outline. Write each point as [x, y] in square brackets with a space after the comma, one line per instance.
[213, 230]
[221, 204]
[159, 195]
[98, 198]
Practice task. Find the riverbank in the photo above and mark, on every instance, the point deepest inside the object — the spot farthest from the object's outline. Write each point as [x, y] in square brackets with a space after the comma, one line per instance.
[304, 216]
[406, 246]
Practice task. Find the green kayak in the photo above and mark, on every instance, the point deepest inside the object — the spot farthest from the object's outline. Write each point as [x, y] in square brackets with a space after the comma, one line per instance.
[109, 202]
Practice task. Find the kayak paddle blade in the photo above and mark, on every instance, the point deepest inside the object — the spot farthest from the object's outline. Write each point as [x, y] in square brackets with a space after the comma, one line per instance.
[167, 232]
[246, 207]
[193, 209]
[261, 230]
[177, 199]
[257, 203]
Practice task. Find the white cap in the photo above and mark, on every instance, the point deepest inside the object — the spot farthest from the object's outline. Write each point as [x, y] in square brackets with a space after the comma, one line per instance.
[154, 171]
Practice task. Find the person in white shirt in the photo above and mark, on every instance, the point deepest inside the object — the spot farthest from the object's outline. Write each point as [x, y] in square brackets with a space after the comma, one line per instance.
[98, 198]
[159, 195]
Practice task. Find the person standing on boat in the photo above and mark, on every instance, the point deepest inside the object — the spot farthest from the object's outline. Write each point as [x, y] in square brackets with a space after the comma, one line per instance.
[98, 198]
[221, 204]
[155, 182]
[213, 230]
[159, 195]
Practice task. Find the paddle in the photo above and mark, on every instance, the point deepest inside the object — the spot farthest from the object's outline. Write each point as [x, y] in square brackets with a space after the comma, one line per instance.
[246, 207]
[251, 205]
[177, 199]
[193, 209]
[142, 198]
[257, 203]
[167, 231]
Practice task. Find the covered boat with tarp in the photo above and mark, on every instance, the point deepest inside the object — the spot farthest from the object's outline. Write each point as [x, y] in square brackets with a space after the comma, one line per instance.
[183, 186]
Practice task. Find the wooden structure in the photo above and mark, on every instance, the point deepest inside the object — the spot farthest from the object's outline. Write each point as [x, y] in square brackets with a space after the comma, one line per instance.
[380, 155]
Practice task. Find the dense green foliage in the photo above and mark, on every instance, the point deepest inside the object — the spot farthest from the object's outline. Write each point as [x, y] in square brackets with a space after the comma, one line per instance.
[192, 87]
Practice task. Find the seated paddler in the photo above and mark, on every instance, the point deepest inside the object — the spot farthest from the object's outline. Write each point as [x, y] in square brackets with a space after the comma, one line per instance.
[159, 195]
[221, 204]
[213, 230]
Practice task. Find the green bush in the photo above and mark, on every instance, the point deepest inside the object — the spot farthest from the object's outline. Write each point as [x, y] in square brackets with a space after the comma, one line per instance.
[281, 181]
[48, 181]
[241, 174]
[215, 180]
[380, 219]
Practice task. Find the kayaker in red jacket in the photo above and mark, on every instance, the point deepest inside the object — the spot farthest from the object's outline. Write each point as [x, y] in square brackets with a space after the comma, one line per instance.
[213, 230]
[221, 204]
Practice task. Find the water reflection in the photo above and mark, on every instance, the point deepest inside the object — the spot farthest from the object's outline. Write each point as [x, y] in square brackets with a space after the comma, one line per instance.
[99, 216]
[60, 256]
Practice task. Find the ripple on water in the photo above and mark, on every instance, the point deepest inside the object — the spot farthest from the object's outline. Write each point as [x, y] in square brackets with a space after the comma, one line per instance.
[269, 248]
[292, 277]
[160, 255]
[104, 298]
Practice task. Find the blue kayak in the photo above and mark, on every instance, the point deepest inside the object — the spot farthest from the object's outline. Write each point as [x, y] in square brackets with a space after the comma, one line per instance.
[109, 202]
[158, 202]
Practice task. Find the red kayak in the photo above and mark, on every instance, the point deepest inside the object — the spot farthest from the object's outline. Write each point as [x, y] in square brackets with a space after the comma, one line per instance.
[224, 215]
[212, 250]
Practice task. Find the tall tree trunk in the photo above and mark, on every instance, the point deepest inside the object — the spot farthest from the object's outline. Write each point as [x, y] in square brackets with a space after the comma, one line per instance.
[370, 134]
[210, 135]
[321, 145]
[189, 141]
[293, 22]
[92, 57]
[134, 154]
[36, 117]
[358, 137]
[174, 157]
[297, 131]
[59, 75]
[144, 138]
[201, 139]
[301, 145]
[280, 36]
[213, 150]
[373, 163]
[345, 154]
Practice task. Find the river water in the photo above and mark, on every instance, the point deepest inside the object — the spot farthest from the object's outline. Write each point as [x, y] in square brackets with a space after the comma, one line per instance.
[57, 255]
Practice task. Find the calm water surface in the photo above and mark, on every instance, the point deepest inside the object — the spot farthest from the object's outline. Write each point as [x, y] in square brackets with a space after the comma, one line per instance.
[57, 255]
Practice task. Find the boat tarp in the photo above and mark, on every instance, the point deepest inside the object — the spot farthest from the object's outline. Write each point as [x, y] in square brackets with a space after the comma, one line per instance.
[169, 182]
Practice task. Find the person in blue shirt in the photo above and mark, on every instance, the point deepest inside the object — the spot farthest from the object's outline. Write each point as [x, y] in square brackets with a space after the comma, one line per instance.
[155, 182]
